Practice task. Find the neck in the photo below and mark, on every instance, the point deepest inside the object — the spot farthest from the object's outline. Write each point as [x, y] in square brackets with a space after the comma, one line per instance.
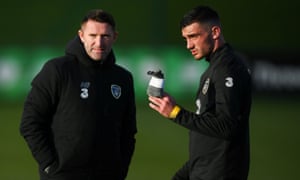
[219, 43]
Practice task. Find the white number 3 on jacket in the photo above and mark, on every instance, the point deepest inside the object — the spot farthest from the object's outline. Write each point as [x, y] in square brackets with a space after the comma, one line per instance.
[229, 82]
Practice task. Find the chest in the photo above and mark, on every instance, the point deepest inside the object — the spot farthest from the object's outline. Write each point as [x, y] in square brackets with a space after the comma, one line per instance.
[206, 93]
[95, 87]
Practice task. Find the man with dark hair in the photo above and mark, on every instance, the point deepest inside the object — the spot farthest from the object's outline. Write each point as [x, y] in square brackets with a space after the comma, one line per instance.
[79, 118]
[219, 129]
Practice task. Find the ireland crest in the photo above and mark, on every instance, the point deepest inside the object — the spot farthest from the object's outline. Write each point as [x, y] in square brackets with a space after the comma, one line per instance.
[205, 87]
[115, 91]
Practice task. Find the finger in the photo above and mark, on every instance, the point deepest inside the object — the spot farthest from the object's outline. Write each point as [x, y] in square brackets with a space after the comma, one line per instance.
[155, 100]
[154, 106]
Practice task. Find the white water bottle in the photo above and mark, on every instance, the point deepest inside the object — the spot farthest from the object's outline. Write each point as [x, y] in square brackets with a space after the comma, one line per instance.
[156, 84]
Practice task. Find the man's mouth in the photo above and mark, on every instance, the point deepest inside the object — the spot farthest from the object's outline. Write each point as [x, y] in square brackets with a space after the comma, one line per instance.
[194, 52]
[98, 50]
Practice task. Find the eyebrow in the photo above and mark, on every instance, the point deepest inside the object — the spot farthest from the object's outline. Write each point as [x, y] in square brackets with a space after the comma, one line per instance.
[192, 35]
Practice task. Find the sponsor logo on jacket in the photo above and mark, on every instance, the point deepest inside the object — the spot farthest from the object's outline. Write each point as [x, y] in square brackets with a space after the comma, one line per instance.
[84, 89]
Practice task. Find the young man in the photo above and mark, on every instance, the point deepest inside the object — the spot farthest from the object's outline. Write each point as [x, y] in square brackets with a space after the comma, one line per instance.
[219, 129]
[79, 118]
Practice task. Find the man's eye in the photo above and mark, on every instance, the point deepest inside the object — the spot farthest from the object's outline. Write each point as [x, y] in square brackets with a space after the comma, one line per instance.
[195, 36]
[106, 36]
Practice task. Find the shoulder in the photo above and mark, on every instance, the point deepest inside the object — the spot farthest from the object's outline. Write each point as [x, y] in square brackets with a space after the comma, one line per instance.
[232, 66]
[60, 61]
[58, 64]
[120, 70]
[53, 68]
[232, 62]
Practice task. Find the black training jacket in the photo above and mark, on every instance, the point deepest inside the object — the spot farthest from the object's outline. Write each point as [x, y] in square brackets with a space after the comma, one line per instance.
[219, 130]
[79, 118]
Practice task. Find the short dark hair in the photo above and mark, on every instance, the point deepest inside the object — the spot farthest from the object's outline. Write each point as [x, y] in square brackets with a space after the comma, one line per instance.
[200, 14]
[99, 15]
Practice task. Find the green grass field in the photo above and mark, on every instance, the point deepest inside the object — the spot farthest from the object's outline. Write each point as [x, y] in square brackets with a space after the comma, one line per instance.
[162, 145]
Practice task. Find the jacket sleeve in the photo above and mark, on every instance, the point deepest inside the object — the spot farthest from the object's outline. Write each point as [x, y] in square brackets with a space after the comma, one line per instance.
[223, 117]
[38, 110]
[129, 130]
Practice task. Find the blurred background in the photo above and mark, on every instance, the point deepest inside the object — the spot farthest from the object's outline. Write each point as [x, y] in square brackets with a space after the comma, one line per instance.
[264, 32]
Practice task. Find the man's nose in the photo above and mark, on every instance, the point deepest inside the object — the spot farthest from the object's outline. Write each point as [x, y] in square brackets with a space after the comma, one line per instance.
[189, 44]
[99, 40]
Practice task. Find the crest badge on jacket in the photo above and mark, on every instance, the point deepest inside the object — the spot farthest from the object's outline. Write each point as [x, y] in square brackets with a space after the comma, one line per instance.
[116, 91]
[205, 86]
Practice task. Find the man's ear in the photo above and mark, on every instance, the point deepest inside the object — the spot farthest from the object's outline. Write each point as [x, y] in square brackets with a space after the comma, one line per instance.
[80, 34]
[116, 34]
[216, 32]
